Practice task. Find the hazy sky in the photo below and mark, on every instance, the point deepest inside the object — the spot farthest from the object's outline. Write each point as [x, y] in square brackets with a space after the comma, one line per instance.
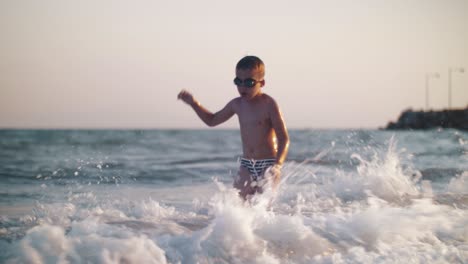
[329, 64]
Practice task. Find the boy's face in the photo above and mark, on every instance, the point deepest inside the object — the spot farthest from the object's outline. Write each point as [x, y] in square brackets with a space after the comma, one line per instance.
[246, 74]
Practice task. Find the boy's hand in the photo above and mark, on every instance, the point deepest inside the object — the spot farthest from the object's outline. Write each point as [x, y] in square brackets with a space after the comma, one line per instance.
[275, 172]
[186, 97]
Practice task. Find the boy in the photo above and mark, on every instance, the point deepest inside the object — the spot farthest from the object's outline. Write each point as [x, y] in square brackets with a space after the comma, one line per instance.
[265, 139]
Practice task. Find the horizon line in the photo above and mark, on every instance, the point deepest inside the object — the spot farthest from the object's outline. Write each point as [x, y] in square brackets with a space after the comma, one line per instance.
[179, 128]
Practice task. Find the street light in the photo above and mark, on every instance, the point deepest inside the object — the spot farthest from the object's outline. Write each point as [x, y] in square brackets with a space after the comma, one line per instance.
[450, 70]
[428, 76]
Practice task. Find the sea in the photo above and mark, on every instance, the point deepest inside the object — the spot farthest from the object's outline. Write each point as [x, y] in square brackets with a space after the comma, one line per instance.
[166, 196]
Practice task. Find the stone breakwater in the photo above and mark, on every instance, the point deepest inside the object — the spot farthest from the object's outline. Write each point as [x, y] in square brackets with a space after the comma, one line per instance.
[409, 119]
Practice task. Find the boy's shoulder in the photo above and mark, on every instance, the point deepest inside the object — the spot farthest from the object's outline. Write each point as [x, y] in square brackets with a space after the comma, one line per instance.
[236, 101]
[268, 100]
[268, 97]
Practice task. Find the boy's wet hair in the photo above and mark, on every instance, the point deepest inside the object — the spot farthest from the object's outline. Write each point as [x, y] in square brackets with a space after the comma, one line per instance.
[251, 63]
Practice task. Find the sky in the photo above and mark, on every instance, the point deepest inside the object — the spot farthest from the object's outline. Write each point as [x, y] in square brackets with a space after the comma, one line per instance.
[329, 64]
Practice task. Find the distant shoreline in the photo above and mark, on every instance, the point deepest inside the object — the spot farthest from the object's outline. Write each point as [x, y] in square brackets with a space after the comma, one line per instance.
[410, 119]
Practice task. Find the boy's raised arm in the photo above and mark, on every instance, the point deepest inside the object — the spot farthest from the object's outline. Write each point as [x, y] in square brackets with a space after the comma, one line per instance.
[205, 115]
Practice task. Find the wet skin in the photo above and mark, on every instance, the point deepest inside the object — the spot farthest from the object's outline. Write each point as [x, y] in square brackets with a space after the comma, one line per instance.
[263, 132]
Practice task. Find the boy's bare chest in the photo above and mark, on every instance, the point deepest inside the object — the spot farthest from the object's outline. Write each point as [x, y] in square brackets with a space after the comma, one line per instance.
[254, 118]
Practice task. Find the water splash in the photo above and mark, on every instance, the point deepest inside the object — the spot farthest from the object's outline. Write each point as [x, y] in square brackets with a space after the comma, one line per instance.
[376, 213]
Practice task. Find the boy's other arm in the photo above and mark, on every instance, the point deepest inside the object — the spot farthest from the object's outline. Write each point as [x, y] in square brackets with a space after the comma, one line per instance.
[281, 133]
[204, 114]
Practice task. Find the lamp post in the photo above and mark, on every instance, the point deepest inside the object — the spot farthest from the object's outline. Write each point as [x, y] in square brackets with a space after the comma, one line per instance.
[450, 70]
[428, 76]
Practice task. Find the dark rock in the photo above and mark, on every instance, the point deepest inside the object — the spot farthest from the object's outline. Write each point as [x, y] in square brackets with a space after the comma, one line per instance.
[409, 119]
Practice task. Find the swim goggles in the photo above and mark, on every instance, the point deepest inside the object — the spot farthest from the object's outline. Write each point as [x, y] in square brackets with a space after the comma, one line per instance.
[249, 82]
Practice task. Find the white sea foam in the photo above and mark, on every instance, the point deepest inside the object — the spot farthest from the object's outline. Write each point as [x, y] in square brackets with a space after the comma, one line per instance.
[377, 214]
[459, 184]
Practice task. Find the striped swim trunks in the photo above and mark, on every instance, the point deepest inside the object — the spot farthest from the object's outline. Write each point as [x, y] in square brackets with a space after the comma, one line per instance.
[256, 167]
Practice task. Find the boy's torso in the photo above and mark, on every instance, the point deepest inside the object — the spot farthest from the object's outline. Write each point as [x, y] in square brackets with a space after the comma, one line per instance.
[258, 136]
